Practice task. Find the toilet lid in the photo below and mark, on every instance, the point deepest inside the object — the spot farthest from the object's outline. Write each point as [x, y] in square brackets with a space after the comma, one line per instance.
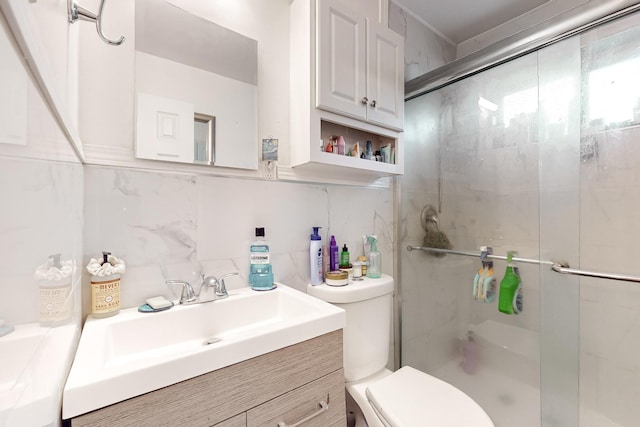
[409, 397]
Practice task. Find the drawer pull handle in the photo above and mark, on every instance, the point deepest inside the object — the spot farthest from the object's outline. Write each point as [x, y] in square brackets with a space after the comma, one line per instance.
[324, 406]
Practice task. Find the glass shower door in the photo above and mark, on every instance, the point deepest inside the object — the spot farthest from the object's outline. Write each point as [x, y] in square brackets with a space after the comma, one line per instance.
[474, 152]
[538, 155]
[609, 225]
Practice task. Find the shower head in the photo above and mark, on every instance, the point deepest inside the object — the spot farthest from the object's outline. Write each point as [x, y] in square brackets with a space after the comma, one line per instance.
[433, 238]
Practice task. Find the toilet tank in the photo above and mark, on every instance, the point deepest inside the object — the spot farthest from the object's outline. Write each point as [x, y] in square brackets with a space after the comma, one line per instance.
[367, 333]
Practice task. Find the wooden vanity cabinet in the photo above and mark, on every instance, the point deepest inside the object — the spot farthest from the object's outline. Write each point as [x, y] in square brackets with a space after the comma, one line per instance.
[286, 385]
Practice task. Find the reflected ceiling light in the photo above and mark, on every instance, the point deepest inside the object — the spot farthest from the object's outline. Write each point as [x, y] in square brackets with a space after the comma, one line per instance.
[485, 103]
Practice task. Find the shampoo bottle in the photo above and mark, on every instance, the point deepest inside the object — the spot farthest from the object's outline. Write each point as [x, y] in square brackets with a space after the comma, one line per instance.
[315, 257]
[333, 254]
[510, 299]
[374, 270]
[260, 272]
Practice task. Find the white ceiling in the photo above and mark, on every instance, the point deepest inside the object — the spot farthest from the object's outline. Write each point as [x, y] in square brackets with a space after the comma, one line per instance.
[460, 20]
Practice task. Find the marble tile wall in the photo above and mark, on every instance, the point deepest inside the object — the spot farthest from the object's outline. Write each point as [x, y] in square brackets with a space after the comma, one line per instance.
[424, 49]
[162, 223]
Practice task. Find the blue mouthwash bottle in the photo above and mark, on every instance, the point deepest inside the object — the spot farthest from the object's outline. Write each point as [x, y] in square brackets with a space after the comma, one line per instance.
[260, 273]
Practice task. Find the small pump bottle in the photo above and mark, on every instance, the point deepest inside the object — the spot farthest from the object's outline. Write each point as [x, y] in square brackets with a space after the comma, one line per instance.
[315, 257]
[374, 270]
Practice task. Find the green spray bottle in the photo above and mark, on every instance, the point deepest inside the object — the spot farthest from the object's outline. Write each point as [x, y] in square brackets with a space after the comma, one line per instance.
[510, 300]
[374, 269]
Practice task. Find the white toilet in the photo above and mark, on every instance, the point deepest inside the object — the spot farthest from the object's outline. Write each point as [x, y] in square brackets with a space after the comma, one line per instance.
[403, 398]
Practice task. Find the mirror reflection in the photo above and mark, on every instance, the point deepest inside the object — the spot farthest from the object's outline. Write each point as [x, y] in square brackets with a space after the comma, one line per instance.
[196, 87]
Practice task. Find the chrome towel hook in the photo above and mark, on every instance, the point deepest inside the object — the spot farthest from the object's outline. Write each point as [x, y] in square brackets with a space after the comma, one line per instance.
[78, 12]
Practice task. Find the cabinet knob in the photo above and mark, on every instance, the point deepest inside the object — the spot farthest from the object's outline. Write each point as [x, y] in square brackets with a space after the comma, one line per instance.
[365, 100]
[373, 103]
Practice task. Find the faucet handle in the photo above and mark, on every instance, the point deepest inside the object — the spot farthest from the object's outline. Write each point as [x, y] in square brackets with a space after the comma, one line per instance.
[188, 295]
[221, 292]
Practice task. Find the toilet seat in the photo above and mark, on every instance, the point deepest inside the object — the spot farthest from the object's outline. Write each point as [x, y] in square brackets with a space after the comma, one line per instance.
[409, 397]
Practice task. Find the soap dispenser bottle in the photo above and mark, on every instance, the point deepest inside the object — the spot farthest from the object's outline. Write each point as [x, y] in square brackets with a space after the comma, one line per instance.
[374, 270]
[315, 257]
[260, 272]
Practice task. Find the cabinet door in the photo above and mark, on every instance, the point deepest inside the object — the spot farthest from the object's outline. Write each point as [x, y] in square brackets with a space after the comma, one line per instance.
[385, 76]
[341, 61]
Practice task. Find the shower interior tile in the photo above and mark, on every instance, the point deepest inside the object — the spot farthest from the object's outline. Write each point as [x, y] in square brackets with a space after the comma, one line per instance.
[615, 385]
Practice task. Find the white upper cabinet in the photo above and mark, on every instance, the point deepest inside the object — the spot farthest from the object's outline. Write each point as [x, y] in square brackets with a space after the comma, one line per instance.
[360, 66]
[347, 80]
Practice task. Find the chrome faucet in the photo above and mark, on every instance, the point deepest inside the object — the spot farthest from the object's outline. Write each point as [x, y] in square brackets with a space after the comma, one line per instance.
[211, 289]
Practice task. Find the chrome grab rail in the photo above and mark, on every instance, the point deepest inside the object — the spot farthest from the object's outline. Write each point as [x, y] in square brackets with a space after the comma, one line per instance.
[558, 267]
[613, 276]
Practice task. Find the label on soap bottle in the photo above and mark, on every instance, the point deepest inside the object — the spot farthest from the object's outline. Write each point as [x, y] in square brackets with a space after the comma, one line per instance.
[55, 303]
[105, 294]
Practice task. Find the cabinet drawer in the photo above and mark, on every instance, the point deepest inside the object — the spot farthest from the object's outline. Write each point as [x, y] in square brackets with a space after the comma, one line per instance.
[304, 401]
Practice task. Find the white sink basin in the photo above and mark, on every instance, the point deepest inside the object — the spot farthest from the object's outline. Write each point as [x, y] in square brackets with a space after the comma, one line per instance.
[134, 353]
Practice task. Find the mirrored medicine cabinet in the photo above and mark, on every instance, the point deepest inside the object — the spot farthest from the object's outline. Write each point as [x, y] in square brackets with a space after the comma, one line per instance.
[195, 87]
